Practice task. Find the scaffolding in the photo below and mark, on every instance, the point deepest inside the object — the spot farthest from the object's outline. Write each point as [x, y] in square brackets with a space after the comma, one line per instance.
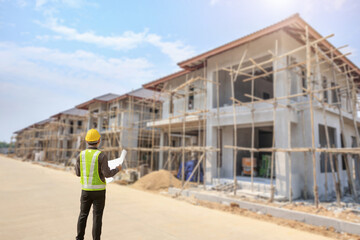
[122, 124]
[57, 139]
[312, 97]
[184, 127]
[344, 91]
[171, 127]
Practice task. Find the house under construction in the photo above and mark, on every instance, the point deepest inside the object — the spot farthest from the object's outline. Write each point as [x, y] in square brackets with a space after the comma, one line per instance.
[121, 121]
[274, 112]
[56, 139]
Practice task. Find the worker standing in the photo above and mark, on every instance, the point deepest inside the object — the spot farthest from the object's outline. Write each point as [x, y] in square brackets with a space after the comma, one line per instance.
[92, 167]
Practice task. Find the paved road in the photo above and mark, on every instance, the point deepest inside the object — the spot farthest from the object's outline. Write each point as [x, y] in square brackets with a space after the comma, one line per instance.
[40, 203]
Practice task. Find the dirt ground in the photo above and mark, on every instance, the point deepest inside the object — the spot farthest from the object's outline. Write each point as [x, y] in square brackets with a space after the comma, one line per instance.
[346, 215]
[39, 203]
[150, 183]
[161, 180]
[234, 209]
[341, 212]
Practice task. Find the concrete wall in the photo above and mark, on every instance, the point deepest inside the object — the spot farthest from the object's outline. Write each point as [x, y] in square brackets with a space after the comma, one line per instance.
[178, 101]
[302, 167]
[257, 49]
[125, 122]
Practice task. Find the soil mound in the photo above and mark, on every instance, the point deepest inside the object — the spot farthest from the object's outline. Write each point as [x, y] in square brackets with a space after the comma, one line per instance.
[157, 180]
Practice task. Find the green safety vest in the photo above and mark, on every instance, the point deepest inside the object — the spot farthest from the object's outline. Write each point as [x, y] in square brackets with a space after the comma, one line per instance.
[89, 171]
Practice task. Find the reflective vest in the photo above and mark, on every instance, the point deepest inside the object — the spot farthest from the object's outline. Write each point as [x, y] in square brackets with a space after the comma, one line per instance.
[89, 171]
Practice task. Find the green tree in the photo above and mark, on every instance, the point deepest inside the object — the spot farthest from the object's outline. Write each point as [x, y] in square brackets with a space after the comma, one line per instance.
[4, 145]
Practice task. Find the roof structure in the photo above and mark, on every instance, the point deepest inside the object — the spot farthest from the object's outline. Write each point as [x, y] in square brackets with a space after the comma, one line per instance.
[34, 125]
[19, 131]
[103, 98]
[140, 93]
[293, 25]
[41, 122]
[72, 112]
[157, 84]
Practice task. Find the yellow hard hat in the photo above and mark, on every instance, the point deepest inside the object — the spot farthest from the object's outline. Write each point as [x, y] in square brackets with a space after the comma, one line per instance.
[92, 136]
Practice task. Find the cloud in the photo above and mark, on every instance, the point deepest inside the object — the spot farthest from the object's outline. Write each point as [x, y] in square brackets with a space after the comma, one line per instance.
[214, 2]
[21, 3]
[74, 69]
[39, 4]
[50, 7]
[128, 40]
[175, 50]
[36, 82]
[310, 7]
[337, 4]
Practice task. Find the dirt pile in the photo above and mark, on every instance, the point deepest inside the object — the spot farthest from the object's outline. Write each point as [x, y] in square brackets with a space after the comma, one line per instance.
[156, 181]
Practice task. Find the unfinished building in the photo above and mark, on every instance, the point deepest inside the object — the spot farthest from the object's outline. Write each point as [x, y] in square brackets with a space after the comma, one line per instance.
[56, 139]
[30, 141]
[121, 121]
[66, 134]
[274, 112]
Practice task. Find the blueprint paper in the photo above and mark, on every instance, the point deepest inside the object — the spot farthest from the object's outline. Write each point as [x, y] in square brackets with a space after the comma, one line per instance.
[114, 163]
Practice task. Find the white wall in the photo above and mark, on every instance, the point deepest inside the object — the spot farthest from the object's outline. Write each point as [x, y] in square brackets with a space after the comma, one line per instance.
[178, 101]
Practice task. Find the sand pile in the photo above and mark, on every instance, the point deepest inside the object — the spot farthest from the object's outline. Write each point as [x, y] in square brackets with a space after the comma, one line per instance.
[157, 180]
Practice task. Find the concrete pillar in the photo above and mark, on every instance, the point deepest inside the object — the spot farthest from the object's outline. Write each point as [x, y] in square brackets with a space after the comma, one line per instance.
[210, 156]
[100, 120]
[228, 155]
[121, 124]
[281, 130]
[89, 126]
[63, 153]
[161, 153]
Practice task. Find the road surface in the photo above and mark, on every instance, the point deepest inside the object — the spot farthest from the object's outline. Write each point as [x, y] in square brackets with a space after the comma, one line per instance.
[42, 203]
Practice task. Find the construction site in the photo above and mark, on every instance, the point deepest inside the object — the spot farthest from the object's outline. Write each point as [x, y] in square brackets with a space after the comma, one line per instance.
[270, 118]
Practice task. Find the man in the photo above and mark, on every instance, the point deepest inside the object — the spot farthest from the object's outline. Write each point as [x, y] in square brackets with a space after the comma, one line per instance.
[92, 167]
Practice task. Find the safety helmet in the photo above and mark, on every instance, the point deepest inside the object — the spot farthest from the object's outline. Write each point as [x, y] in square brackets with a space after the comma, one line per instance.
[92, 136]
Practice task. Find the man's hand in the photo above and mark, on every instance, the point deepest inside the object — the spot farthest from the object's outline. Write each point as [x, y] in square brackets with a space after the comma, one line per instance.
[119, 167]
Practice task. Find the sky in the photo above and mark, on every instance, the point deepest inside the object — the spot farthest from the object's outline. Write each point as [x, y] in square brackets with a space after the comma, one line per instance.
[55, 54]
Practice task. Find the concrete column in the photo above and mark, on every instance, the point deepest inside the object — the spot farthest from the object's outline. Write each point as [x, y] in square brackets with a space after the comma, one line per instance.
[63, 155]
[100, 120]
[161, 153]
[281, 130]
[210, 156]
[228, 156]
[67, 127]
[89, 122]
[121, 123]
[281, 158]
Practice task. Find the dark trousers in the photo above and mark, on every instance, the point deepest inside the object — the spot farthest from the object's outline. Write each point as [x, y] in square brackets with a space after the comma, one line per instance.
[88, 198]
